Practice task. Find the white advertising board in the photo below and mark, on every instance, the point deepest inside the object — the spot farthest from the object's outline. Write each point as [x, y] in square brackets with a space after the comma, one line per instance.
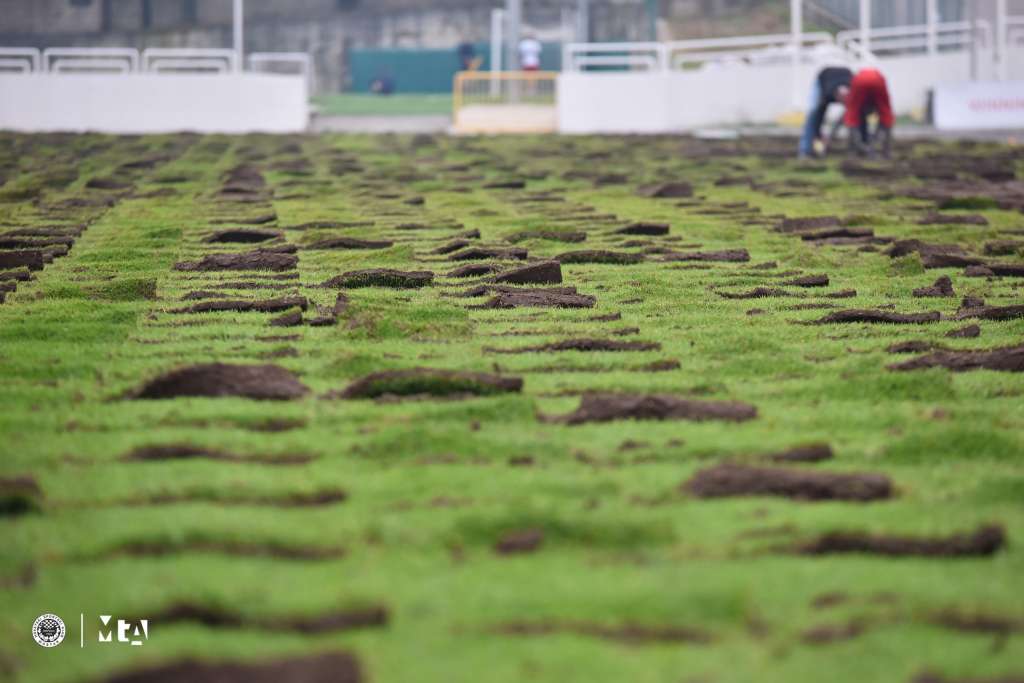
[995, 105]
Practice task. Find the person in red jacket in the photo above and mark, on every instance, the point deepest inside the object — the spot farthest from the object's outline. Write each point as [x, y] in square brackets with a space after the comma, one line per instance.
[869, 93]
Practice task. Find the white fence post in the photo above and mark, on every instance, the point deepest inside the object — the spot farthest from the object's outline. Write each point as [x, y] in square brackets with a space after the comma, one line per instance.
[238, 21]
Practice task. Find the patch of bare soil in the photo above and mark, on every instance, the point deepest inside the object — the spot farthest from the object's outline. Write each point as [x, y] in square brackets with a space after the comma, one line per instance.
[609, 407]
[258, 219]
[757, 293]
[931, 677]
[253, 260]
[813, 223]
[727, 480]
[243, 236]
[984, 541]
[808, 281]
[450, 247]
[546, 272]
[936, 218]
[243, 306]
[33, 259]
[173, 452]
[967, 332]
[628, 634]
[474, 270]
[532, 299]
[725, 256]
[291, 319]
[876, 316]
[991, 313]
[825, 634]
[519, 542]
[942, 287]
[165, 547]
[323, 668]
[583, 345]
[1003, 247]
[815, 452]
[977, 622]
[1009, 359]
[350, 243]
[218, 380]
[651, 229]
[674, 190]
[19, 496]
[381, 277]
[599, 256]
[550, 235]
[481, 253]
[429, 382]
[337, 621]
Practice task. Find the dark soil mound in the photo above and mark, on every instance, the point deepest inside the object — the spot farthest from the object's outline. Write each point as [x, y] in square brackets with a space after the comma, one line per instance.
[430, 382]
[985, 541]
[676, 190]
[382, 277]
[350, 243]
[243, 236]
[741, 480]
[1009, 359]
[253, 260]
[911, 347]
[938, 260]
[1007, 269]
[815, 452]
[905, 247]
[599, 256]
[968, 332]
[480, 253]
[992, 313]
[1003, 247]
[875, 316]
[452, 246]
[585, 345]
[544, 273]
[260, 219]
[929, 677]
[532, 299]
[19, 495]
[653, 229]
[474, 270]
[292, 319]
[518, 542]
[551, 235]
[108, 183]
[627, 634]
[943, 287]
[188, 452]
[33, 259]
[727, 256]
[756, 293]
[323, 668]
[241, 306]
[608, 407]
[217, 380]
[935, 218]
[803, 224]
[808, 281]
[330, 622]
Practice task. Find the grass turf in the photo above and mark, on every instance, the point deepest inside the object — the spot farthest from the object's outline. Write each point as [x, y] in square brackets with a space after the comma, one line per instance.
[353, 104]
[430, 484]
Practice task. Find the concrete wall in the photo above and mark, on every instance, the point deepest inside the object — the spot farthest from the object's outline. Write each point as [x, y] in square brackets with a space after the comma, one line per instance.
[146, 103]
[734, 94]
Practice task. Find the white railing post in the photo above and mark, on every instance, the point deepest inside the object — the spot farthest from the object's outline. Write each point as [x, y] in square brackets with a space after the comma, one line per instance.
[796, 26]
[497, 43]
[1001, 43]
[932, 20]
[238, 32]
[865, 29]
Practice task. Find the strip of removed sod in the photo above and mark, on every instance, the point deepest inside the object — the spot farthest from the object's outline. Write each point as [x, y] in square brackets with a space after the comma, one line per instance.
[404, 499]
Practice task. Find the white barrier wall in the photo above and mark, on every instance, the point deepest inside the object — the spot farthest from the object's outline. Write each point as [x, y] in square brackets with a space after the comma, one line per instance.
[730, 94]
[154, 103]
[994, 105]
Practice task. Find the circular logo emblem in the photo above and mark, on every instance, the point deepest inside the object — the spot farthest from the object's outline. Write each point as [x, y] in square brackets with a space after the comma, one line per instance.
[49, 630]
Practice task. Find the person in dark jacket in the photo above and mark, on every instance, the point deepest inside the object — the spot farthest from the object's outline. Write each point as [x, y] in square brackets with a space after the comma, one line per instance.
[830, 87]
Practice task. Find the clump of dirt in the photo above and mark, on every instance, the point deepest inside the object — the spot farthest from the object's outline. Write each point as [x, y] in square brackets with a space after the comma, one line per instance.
[33, 259]
[967, 332]
[992, 313]
[628, 634]
[331, 622]
[609, 407]
[108, 183]
[931, 677]
[725, 256]
[912, 347]
[173, 452]
[243, 236]
[382, 277]
[823, 634]
[481, 253]
[652, 229]
[452, 246]
[599, 256]
[243, 306]
[350, 243]
[808, 281]
[474, 270]
[546, 272]
[815, 452]
[253, 260]
[324, 668]
[531, 299]
[551, 235]
[519, 542]
[727, 480]
[1008, 359]
[291, 319]
[19, 496]
[756, 293]
[218, 380]
[167, 546]
[259, 219]
[943, 287]
[1003, 247]
[936, 218]
[1007, 269]
[673, 190]
[974, 622]
[584, 345]
[876, 316]
[983, 542]
[429, 382]
[804, 224]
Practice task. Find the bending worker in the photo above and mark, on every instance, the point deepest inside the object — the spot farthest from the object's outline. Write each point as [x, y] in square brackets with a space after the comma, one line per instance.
[831, 86]
[869, 93]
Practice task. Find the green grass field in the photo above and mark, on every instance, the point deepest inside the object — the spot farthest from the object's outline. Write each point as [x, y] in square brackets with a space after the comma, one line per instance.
[358, 104]
[623, 574]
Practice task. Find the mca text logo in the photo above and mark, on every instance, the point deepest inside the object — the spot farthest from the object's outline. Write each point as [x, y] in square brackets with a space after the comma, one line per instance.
[137, 630]
[49, 630]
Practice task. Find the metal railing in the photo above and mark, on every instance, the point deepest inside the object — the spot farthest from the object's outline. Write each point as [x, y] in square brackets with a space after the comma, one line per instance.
[284, 62]
[161, 59]
[917, 38]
